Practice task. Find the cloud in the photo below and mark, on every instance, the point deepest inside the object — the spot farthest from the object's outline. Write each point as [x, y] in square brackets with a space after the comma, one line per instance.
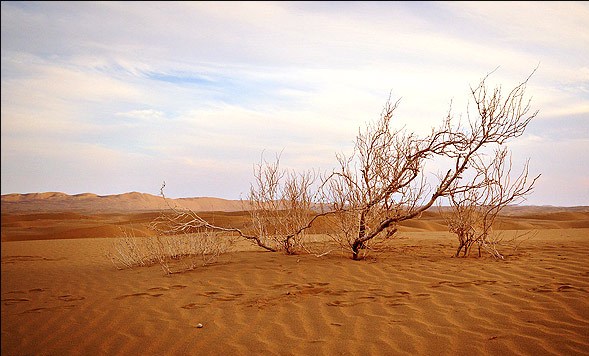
[203, 86]
[548, 24]
[145, 114]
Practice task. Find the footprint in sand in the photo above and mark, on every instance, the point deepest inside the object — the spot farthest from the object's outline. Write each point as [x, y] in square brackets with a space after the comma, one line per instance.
[69, 298]
[39, 310]
[154, 289]
[139, 295]
[341, 303]
[193, 306]
[555, 287]
[478, 282]
[11, 301]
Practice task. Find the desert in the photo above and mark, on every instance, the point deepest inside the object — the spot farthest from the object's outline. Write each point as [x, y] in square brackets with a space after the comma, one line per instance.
[61, 295]
[294, 178]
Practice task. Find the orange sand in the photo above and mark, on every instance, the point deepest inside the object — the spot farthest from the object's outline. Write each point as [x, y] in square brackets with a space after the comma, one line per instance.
[64, 297]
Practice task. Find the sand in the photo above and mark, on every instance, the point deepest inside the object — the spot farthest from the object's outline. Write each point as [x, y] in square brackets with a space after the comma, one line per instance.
[61, 295]
[64, 297]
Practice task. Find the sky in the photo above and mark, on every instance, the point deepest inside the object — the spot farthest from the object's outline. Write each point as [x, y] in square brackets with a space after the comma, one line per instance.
[115, 97]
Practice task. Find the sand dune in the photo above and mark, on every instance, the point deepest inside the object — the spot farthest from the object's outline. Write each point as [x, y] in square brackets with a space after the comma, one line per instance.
[134, 201]
[63, 297]
[88, 202]
[56, 217]
[69, 225]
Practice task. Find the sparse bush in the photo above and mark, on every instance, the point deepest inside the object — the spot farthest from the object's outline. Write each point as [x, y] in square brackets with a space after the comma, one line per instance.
[280, 203]
[173, 253]
[383, 183]
[476, 202]
[473, 212]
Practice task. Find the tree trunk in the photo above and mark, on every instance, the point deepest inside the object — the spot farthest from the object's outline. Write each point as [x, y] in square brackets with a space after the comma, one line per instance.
[459, 249]
[359, 243]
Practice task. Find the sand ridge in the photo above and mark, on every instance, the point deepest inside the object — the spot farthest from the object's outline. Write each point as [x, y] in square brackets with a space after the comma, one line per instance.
[64, 297]
[61, 295]
[55, 215]
[89, 202]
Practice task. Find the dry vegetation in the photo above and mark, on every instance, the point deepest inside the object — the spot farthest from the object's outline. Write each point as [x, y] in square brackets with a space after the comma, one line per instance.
[474, 211]
[385, 182]
[173, 253]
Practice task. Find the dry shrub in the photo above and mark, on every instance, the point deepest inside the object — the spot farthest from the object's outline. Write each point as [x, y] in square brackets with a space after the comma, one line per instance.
[342, 231]
[385, 180]
[508, 242]
[173, 253]
[281, 207]
[473, 212]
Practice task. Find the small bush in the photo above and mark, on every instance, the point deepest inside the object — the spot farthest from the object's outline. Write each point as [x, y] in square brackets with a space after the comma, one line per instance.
[174, 253]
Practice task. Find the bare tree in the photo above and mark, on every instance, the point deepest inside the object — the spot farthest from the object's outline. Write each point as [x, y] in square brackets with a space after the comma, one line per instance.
[473, 212]
[177, 220]
[383, 182]
[280, 204]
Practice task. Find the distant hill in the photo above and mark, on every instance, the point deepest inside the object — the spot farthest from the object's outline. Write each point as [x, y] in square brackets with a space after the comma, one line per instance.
[88, 202]
[51, 215]
[143, 202]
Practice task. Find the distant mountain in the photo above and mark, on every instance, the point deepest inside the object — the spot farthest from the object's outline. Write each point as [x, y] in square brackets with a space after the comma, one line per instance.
[142, 202]
[88, 202]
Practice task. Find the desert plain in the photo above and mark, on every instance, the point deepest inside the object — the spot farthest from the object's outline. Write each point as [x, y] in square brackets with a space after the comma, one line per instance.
[62, 295]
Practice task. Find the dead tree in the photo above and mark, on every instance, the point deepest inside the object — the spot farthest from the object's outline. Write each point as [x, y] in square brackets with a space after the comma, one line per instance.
[280, 204]
[473, 212]
[383, 182]
[177, 220]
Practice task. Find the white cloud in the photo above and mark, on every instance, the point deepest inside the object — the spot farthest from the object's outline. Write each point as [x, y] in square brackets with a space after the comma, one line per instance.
[145, 114]
[207, 85]
[554, 24]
